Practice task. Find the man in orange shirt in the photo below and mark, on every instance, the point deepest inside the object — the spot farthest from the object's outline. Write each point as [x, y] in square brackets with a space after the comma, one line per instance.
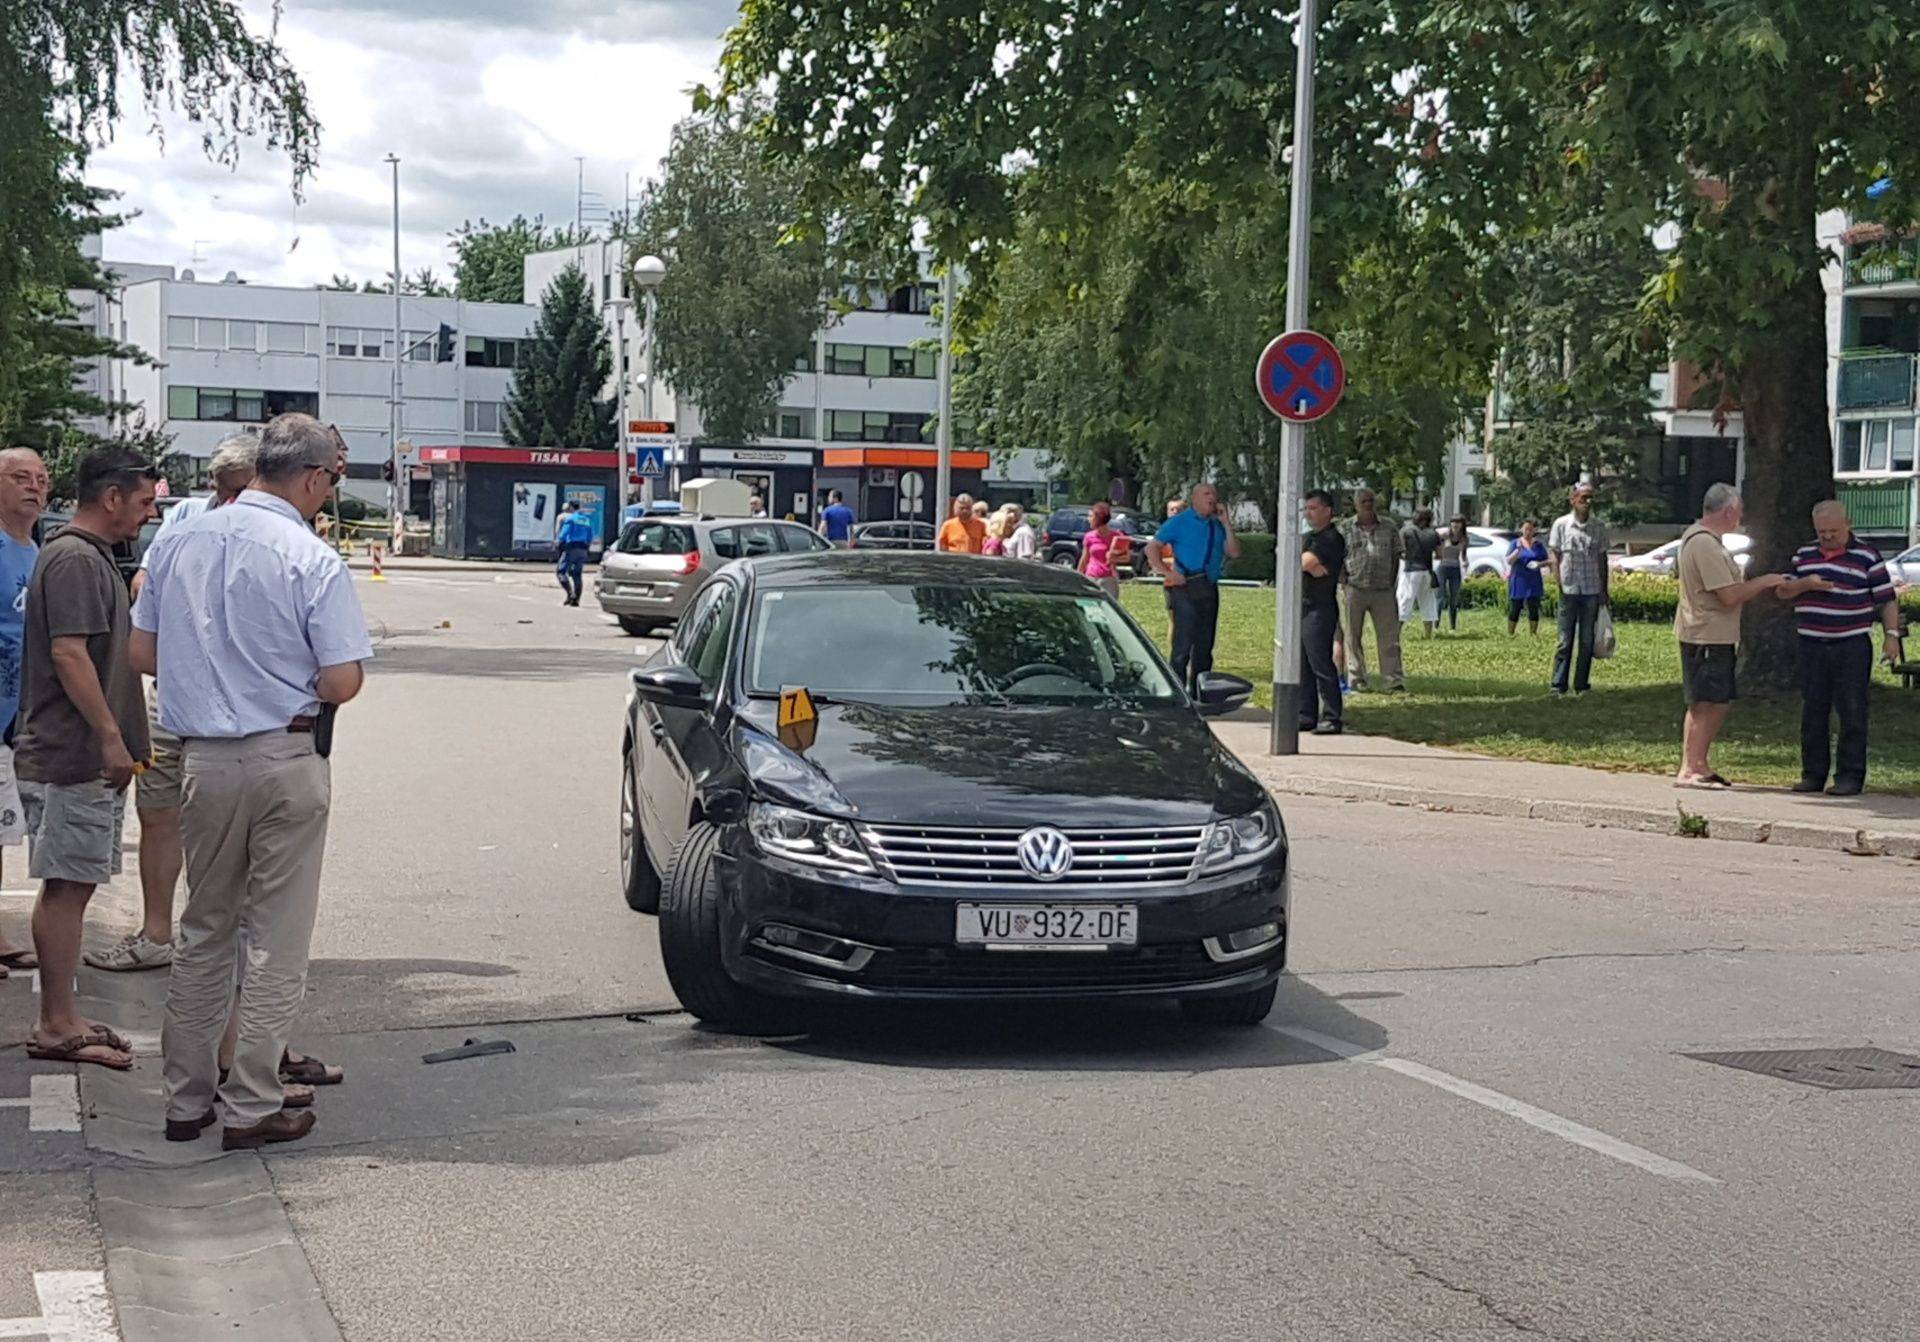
[963, 533]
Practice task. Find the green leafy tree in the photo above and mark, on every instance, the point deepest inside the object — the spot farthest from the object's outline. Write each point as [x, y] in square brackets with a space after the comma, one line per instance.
[65, 67]
[1735, 124]
[743, 295]
[1578, 356]
[555, 398]
[489, 260]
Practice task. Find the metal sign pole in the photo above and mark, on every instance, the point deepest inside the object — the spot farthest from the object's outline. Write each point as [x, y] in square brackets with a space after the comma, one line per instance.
[1284, 738]
[943, 429]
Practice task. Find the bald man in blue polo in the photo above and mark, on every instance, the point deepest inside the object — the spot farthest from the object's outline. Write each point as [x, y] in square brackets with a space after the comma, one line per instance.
[1189, 552]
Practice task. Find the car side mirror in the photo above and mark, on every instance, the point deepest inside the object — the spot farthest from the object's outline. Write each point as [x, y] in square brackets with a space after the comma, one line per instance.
[669, 686]
[1220, 693]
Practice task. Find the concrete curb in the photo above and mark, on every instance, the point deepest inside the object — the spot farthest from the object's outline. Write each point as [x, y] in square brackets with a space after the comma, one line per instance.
[1608, 815]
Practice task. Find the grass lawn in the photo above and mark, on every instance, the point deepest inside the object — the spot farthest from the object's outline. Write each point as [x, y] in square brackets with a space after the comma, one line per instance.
[1481, 690]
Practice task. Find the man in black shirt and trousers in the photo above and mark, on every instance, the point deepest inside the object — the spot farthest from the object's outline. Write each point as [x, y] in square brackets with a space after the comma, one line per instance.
[1321, 559]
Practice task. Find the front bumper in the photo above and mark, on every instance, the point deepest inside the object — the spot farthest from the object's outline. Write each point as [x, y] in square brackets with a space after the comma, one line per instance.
[909, 930]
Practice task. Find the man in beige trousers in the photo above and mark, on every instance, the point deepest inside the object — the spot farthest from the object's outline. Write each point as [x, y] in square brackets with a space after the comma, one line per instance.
[250, 624]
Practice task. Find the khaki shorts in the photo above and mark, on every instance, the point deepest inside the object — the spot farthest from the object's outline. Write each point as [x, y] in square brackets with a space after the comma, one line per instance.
[73, 831]
[157, 787]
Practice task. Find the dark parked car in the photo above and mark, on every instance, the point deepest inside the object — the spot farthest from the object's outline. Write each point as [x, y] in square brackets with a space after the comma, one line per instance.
[893, 839]
[1066, 526]
[893, 536]
[126, 554]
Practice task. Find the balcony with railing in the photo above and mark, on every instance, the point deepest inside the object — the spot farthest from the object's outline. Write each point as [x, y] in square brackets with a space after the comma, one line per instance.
[1876, 381]
[1889, 262]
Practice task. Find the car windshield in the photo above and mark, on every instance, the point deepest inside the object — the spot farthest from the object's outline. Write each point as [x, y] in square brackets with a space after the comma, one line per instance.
[939, 644]
[1910, 557]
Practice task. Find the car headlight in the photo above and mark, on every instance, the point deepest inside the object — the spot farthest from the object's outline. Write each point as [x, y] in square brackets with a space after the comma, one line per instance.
[815, 840]
[1241, 841]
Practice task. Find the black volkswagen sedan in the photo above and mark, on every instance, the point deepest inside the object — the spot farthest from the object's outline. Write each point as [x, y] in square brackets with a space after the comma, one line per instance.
[861, 776]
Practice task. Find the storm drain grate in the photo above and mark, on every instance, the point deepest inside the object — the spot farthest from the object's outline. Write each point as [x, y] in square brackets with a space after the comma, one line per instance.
[1828, 1068]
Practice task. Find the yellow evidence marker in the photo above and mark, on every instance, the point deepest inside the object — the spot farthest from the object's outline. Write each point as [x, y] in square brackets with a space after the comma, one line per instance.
[799, 720]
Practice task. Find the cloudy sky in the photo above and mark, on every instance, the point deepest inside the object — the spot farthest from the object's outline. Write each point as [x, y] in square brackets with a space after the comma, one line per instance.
[488, 103]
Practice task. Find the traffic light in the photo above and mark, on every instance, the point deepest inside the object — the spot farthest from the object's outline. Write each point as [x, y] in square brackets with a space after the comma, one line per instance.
[386, 470]
[443, 344]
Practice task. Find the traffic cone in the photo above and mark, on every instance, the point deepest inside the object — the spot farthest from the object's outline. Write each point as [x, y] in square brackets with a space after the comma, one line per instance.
[379, 572]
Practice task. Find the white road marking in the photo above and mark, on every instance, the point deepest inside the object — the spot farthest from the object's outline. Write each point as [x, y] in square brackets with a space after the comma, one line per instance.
[52, 1103]
[1564, 1128]
[75, 1306]
[20, 894]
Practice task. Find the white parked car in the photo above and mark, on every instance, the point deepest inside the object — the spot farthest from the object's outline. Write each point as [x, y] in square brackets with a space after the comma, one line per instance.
[1904, 568]
[1487, 552]
[1659, 560]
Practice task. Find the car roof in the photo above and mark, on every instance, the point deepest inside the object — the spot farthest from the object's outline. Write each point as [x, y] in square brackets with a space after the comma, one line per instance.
[868, 568]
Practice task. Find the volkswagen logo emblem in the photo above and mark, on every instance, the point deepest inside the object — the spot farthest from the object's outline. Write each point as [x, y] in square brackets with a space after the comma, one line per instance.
[1045, 853]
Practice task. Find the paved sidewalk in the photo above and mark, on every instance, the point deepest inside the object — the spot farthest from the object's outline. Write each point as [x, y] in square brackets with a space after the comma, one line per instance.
[1380, 769]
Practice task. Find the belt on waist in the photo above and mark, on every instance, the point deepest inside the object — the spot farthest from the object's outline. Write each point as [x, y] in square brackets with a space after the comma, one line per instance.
[303, 725]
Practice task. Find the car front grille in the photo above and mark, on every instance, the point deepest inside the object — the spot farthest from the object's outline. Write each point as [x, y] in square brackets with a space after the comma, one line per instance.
[937, 855]
[964, 968]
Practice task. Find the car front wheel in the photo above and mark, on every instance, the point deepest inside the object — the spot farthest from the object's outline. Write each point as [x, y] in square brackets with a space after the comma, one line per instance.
[690, 945]
[1248, 1008]
[634, 625]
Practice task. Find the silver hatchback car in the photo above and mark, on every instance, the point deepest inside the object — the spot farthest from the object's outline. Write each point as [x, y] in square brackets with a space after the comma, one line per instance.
[648, 576]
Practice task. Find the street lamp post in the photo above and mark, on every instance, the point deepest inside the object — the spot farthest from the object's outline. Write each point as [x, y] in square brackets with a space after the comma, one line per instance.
[619, 306]
[1284, 735]
[648, 273]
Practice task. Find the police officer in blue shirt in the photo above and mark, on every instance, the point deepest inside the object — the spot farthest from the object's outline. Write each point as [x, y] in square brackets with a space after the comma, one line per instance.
[1189, 552]
[574, 538]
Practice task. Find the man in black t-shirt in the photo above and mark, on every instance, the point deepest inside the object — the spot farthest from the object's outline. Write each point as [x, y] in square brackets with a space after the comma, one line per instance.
[1323, 555]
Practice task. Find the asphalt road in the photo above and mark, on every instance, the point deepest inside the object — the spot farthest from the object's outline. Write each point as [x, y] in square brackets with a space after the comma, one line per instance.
[1519, 1145]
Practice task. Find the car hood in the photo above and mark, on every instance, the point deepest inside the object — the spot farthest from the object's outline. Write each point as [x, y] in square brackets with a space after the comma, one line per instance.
[1001, 766]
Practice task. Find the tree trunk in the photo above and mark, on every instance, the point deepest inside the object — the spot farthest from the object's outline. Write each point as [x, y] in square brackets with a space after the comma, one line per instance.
[1783, 399]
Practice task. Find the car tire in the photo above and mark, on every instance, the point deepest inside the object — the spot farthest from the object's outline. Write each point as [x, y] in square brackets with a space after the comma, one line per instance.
[639, 881]
[1248, 1008]
[690, 944]
[1064, 558]
[634, 625]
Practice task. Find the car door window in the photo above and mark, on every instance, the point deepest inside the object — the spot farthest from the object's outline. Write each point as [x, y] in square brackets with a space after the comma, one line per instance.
[707, 648]
[655, 538]
[726, 542]
[758, 540]
[798, 540]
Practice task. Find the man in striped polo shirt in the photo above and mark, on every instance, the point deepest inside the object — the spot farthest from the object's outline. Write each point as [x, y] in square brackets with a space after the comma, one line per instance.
[1836, 647]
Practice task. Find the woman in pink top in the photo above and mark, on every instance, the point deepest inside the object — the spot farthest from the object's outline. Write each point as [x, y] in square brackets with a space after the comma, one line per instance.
[1096, 551]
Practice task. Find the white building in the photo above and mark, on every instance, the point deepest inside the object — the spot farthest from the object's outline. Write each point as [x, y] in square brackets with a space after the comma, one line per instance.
[870, 379]
[1873, 347]
[230, 354]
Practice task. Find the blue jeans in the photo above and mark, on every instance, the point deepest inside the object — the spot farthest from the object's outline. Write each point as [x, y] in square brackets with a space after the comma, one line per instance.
[573, 564]
[1578, 614]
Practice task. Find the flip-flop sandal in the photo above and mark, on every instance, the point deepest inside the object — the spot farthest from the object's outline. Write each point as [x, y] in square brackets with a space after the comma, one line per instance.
[311, 1071]
[112, 1038]
[19, 960]
[75, 1049]
[1702, 784]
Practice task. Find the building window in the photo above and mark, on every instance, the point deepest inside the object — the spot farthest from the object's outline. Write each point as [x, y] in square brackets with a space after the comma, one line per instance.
[419, 345]
[243, 336]
[804, 363]
[1903, 454]
[487, 352]
[790, 422]
[876, 426]
[483, 417]
[180, 333]
[359, 342]
[876, 361]
[913, 298]
[238, 406]
[286, 338]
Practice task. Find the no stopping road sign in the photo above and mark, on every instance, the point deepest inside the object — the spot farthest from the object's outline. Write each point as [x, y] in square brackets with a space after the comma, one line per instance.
[1300, 376]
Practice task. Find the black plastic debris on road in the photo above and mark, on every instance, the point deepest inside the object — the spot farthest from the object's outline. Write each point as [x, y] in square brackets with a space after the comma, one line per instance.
[473, 1048]
[1828, 1068]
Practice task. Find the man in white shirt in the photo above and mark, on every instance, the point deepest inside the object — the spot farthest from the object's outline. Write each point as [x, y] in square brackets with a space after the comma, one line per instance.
[157, 790]
[1020, 542]
[251, 625]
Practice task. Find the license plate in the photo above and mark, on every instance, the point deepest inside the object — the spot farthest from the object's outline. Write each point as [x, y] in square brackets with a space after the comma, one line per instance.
[1046, 924]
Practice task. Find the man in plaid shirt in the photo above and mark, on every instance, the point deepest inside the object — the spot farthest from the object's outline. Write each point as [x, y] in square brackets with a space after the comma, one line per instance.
[1836, 647]
[1577, 549]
